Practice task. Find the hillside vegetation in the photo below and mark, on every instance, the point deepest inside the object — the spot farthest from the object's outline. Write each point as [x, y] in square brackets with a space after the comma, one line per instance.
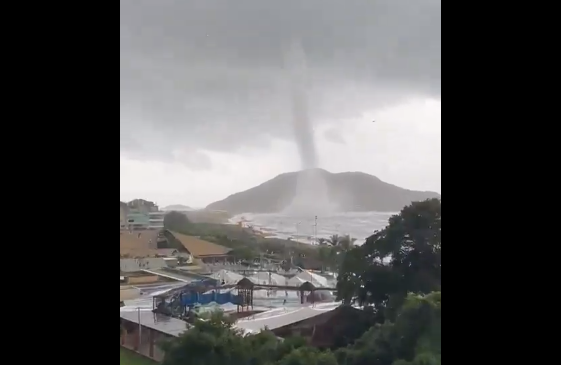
[349, 192]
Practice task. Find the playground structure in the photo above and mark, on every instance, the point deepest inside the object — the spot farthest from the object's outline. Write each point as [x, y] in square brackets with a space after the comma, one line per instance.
[179, 303]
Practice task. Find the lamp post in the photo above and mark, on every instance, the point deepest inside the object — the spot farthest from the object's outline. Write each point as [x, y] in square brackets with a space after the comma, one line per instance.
[316, 230]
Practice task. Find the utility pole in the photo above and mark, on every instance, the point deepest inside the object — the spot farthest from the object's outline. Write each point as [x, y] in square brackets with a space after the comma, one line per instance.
[139, 331]
[316, 242]
[316, 230]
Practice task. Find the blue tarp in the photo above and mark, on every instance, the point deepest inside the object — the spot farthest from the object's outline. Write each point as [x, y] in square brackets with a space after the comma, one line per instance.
[190, 299]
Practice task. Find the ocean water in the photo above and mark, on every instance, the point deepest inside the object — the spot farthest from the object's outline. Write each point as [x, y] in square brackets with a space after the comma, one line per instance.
[302, 228]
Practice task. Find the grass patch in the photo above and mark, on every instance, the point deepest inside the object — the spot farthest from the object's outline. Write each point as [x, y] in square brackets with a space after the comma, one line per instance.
[130, 358]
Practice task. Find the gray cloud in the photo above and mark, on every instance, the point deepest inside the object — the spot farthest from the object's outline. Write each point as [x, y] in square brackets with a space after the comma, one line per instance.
[212, 74]
[333, 135]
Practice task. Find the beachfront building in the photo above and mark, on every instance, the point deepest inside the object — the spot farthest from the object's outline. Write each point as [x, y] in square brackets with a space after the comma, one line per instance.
[140, 215]
[319, 324]
[199, 249]
[156, 220]
[137, 220]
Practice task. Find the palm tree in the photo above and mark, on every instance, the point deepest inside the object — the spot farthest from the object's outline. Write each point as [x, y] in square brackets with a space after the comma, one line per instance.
[324, 256]
[346, 242]
[334, 240]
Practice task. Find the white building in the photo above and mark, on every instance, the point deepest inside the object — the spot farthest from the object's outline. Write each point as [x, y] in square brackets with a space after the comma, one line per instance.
[156, 220]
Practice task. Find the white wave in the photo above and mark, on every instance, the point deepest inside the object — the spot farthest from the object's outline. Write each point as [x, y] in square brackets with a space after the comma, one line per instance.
[359, 225]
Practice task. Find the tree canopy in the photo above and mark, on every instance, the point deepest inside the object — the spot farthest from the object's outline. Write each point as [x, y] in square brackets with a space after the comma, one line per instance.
[405, 257]
[217, 342]
[176, 221]
[413, 338]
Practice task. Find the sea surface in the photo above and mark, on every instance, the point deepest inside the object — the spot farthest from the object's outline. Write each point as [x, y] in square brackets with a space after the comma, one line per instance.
[303, 228]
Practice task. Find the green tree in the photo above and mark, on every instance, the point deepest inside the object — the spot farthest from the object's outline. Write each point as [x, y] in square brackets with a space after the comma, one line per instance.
[351, 274]
[346, 242]
[308, 356]
[333, 240]
[176, 221]
[403, 257]
[216, 342]
[415, 338]
[338, 252]
[244, 253]
[210, 342]
[325, 256]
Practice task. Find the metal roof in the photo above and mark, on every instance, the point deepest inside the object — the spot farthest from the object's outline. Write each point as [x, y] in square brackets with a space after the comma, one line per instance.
[168, 325]
[280, 317]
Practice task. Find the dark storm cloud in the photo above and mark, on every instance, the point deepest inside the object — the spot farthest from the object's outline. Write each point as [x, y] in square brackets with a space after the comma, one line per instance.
[211, 74]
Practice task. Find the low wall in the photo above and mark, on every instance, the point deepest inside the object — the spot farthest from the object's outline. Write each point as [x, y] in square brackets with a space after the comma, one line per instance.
[149, 279]
[146, 344]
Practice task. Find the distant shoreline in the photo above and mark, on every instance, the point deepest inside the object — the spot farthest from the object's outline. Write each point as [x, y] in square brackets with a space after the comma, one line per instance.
[359, 225]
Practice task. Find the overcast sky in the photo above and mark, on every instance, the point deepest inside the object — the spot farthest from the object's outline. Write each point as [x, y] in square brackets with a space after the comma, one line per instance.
[206, 107]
